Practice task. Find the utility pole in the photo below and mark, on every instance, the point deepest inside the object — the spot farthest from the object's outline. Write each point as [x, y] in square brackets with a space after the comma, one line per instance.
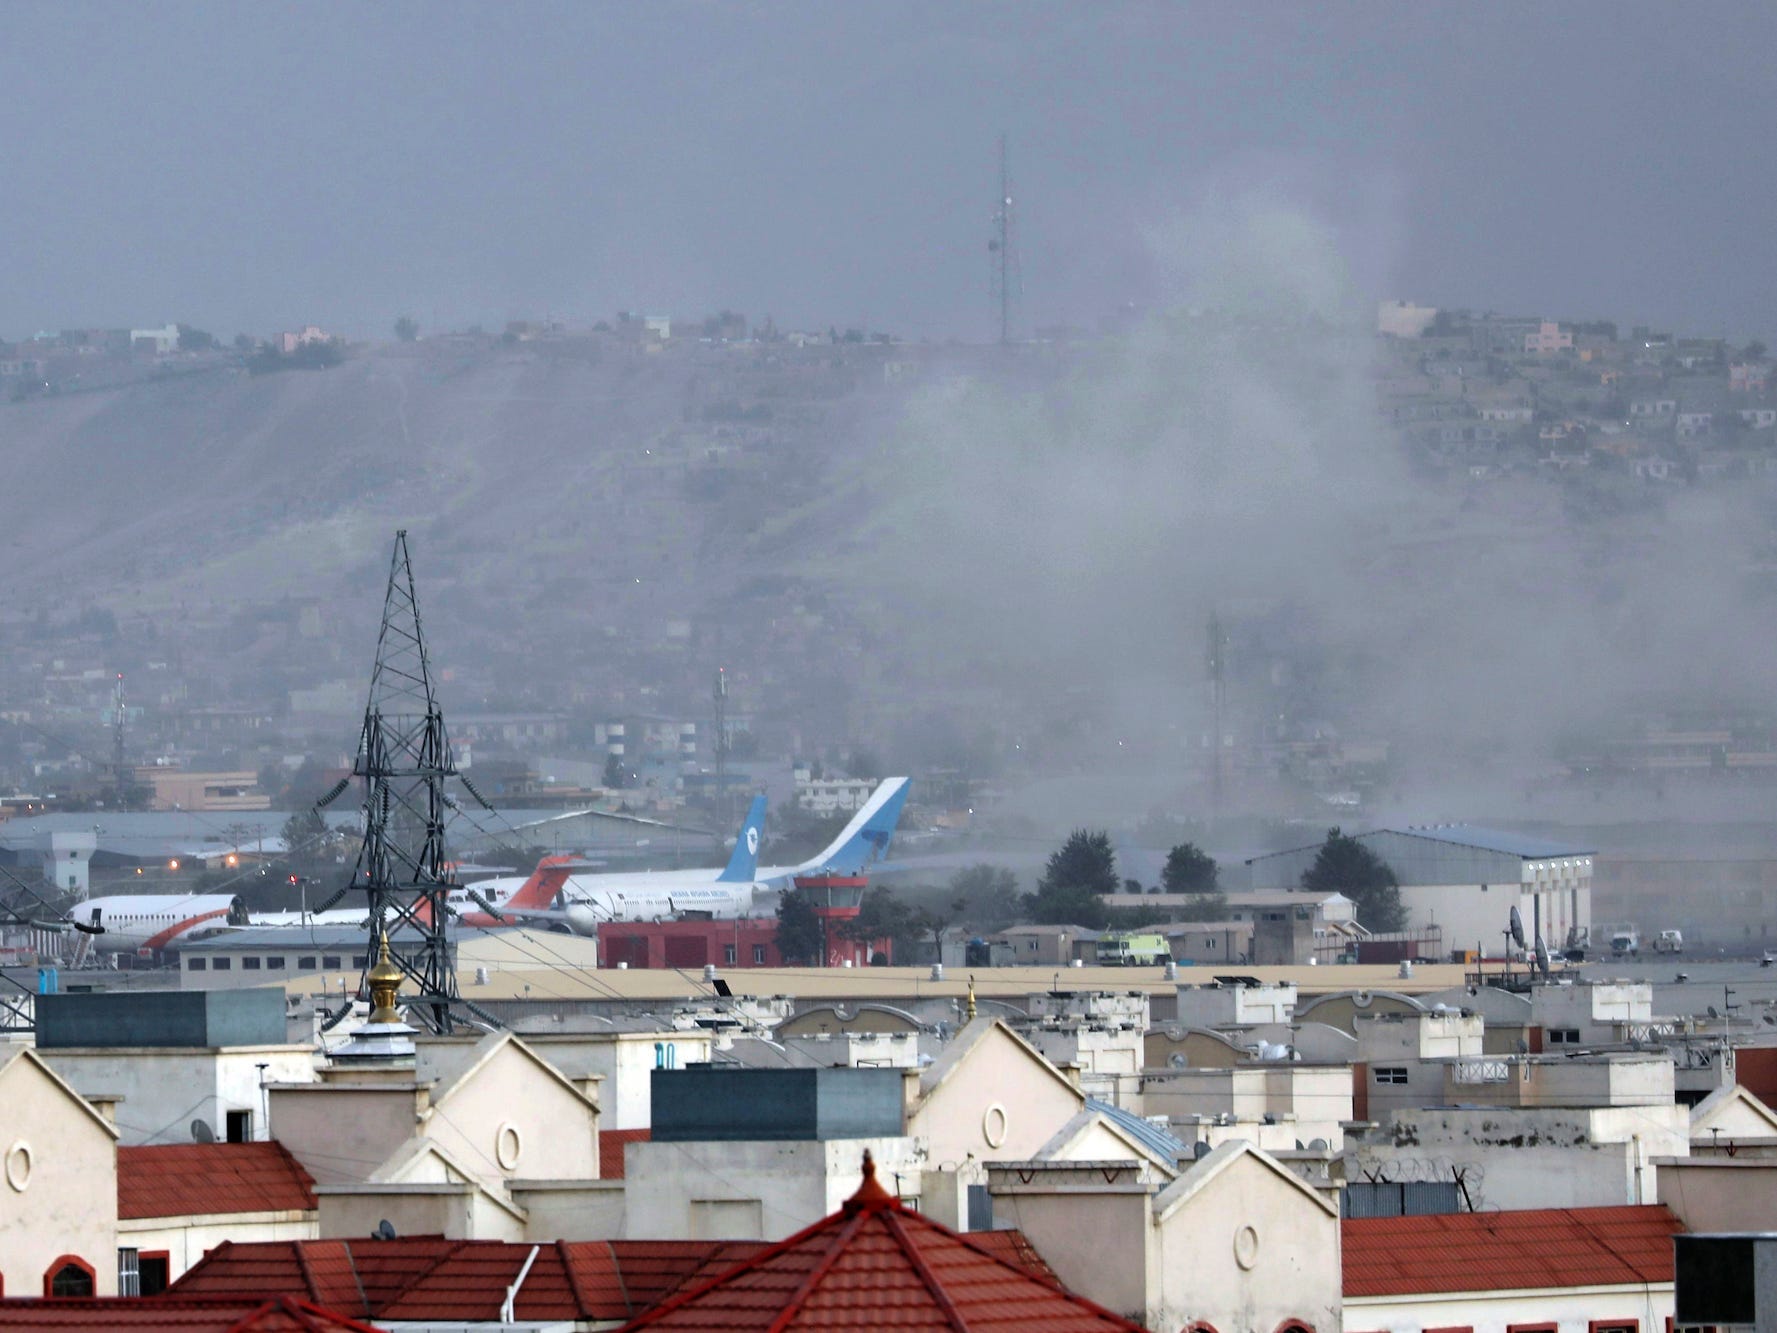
[1004, 274]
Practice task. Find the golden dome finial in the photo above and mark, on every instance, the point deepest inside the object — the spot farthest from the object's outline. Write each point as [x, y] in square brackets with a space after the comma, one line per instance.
[971, 997]
[385, 980]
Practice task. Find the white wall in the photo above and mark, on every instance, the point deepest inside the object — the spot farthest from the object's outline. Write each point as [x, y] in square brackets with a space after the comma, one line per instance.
[164, 1088]
[624, 1060]
[1572, 1309]
[187, 1239]
[754, 1190]
[58, 1182]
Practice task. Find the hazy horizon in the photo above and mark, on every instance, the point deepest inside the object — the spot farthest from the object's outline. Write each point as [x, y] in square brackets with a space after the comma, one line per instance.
[245, 169]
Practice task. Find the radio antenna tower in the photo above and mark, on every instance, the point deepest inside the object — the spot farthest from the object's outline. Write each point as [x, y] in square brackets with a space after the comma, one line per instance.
[1216, 662]
[117, 725]
[1004, 275]
[720, 696]
[404, 759]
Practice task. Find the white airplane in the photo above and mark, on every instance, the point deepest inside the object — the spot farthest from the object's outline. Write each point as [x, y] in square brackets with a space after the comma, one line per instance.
[588, 901]
[147, 922]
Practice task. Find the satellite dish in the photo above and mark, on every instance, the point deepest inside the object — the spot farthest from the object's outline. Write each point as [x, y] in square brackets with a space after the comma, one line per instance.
[1517, 928]
[1177, 1060]
[1712, 1012]
[385, 1230]
[1318, 1145]
[1542, 957]
[1523, 1047]
[201, 1132]
[1200, 1150]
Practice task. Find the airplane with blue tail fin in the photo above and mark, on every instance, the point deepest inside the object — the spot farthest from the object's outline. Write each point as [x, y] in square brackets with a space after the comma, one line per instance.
[742, 888]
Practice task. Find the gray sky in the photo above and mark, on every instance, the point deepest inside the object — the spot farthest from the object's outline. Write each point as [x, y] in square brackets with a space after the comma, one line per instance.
[247, 167]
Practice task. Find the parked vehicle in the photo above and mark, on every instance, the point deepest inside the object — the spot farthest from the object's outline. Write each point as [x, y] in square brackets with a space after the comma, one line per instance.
[1625, 941]
[1133, 950]
[1669, 941]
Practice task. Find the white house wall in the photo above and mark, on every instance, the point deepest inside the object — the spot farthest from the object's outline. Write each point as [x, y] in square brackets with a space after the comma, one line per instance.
[1571, 1310]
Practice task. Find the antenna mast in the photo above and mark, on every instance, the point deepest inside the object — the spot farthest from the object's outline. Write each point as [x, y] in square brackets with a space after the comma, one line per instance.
[720, 697]
[1004, 274]
[1218, 642]
[404, 758]
[117, 724]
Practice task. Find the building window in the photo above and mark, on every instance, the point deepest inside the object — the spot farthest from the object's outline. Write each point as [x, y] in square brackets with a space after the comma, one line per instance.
[1614, 1326]
[360, 960]
[250, 964]
[274, 962]
[240, 1126]
[129, 1277]
[1564, 1036]
[196, 964]
[154, 1272]
[330, 960]
[1396, 1074]
[758, 955]
[221, 964]
[1533, 1328]
[307, 963]
[69, 1276]
[728, 953]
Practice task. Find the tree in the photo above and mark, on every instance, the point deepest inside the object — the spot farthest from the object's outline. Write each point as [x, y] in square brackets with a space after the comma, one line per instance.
[798, 929]
[1344, 865]
[988, 894]
[1085, 862]
[195, 340]
[1192, 871]
[305, 836]
[1074, 884]
[614, 772]
[407, 329]
[1189, 869]
[881, 915]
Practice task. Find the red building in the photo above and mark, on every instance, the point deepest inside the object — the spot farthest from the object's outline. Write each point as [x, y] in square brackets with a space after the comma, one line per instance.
[741, 942]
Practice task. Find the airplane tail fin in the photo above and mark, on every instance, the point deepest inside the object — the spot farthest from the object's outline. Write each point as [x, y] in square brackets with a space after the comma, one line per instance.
[745, 861]
[545, 883]
[865, 840]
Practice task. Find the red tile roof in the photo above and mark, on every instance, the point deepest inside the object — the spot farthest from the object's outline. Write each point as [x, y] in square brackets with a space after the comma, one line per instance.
[431, 1278]
[872, 1265]
[611, 1143]
[280, 1314]
[193, 1179]
[1538, 1249]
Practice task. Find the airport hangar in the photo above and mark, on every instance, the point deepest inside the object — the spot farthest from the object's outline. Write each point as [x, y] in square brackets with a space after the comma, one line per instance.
[1466, 880]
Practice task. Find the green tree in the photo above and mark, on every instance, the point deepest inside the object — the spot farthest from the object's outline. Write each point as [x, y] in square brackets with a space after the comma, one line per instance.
[1192, 871]
[798, 929]
[305, 836]
[1074, 884]
[1189, 869]
[195, 340]
[883, 915]
[1085, 863]
[1053, 906]
[988, 894]
[407, 329]
[1344, 865]
[614, 772]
